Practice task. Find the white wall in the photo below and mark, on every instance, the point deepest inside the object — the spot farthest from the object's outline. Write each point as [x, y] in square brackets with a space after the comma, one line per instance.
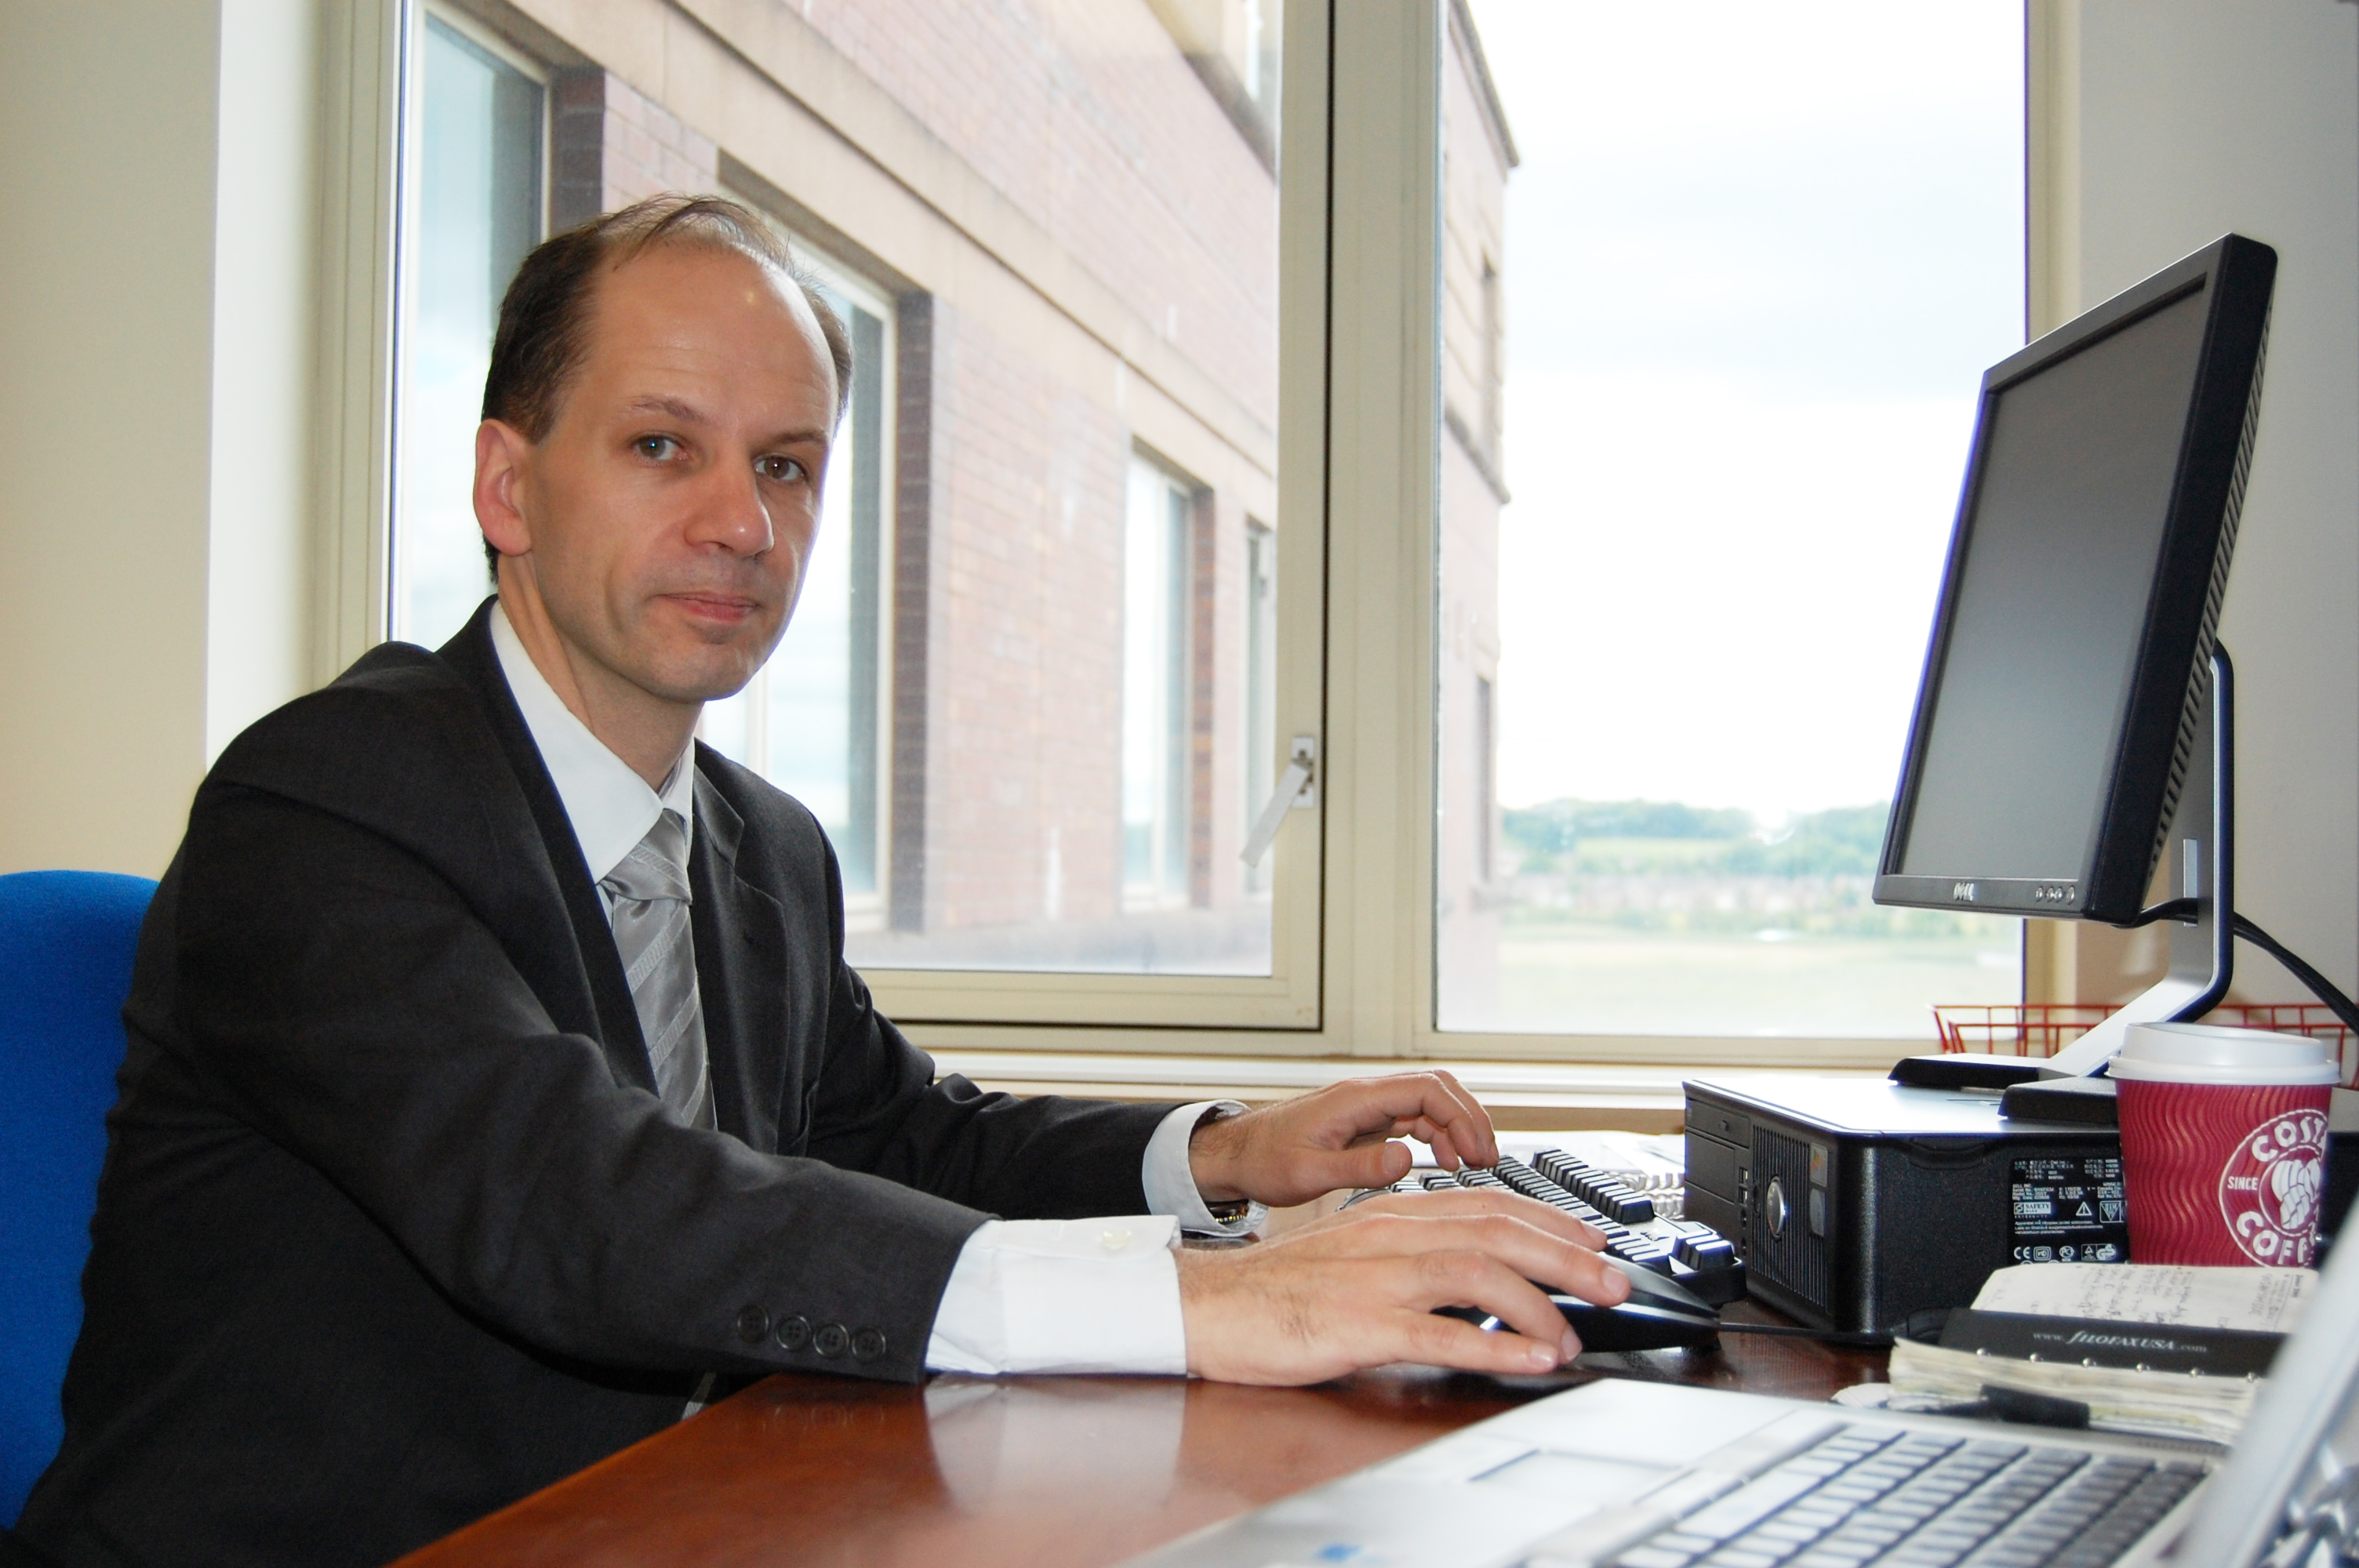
[155, 266]
[2196, 117]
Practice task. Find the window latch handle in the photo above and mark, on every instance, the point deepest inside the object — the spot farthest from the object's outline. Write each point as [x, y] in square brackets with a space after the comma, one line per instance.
[1297, 790]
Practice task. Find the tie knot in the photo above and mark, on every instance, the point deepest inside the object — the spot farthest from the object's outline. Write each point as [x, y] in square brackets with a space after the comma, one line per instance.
[657, 866]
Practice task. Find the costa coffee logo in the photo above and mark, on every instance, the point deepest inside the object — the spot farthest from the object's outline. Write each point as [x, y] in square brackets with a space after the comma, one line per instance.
[2270, 1187]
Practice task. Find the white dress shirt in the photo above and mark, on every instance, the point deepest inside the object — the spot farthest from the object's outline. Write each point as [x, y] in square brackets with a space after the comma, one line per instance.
[1026, 1295]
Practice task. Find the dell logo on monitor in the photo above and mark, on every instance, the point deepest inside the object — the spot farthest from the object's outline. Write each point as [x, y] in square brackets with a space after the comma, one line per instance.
[1962, 893]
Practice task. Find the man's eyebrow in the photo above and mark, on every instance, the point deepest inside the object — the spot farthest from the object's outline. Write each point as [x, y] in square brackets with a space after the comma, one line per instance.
[688, 413]
[797, 437]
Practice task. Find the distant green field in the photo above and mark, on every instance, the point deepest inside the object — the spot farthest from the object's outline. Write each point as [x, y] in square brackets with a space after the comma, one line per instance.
[1605, 981]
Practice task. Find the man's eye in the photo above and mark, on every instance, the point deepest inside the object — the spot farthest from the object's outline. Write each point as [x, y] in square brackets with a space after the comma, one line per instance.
[779, 470]
[656, 446]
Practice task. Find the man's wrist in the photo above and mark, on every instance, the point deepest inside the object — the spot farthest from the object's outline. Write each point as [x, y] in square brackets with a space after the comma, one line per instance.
[1211, 1160]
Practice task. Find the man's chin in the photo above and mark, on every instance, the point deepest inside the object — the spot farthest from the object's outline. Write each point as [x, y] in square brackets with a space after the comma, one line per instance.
[707, 668]
[718, 674]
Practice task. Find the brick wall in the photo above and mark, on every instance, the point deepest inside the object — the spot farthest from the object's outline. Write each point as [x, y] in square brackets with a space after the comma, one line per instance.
[611, 146]
[1025, 639]
[1089, 119]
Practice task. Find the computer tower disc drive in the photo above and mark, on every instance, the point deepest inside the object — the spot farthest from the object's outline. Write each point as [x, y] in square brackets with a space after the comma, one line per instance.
[1856, 1202]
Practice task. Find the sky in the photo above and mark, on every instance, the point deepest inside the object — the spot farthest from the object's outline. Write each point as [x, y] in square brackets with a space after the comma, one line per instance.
[1757, 259]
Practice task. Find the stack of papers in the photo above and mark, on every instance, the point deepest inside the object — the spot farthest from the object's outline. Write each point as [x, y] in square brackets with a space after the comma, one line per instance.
[2155, 1349]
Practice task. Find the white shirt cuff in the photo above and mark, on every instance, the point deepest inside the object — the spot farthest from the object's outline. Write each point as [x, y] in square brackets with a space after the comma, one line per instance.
[1172, 1185]
[1063, 1296]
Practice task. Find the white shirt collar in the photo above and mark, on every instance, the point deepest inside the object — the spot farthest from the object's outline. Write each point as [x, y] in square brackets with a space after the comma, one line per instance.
[610, 806]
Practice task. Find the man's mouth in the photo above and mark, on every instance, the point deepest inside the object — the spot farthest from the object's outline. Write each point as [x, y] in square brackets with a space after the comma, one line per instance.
[729, 609]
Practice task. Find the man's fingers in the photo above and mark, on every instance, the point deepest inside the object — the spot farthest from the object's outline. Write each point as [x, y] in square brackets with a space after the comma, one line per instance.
[1271, 1314]
[1464, 1201]
[1511, 1241]
[1372, 1165]
[1431, 1105]
[1471, 1130]
[1432, 1340]
[1480, 1281]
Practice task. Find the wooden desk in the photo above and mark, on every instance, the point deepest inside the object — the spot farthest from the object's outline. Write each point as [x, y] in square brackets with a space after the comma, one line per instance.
[1040, 1472]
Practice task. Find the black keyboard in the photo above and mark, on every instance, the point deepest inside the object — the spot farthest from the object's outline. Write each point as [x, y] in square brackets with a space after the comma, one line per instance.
[1686, 1251]
[1869, 1495]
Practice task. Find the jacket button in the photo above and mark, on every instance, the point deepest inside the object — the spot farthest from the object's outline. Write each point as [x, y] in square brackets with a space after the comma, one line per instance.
[753, 1324]
[831, 1340]
[794, 1332]
[868, 1345]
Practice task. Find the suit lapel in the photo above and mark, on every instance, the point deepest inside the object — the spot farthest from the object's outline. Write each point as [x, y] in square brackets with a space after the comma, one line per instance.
[740, 976]
[615, 1021]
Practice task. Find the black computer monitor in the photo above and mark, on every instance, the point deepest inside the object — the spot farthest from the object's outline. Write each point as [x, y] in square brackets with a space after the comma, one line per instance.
[2058, 713]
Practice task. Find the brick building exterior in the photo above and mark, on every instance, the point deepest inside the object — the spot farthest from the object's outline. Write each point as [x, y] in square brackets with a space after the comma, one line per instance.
[1069, 213]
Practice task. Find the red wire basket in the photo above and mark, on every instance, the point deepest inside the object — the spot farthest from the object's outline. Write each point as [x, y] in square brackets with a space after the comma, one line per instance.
[2044, 1028]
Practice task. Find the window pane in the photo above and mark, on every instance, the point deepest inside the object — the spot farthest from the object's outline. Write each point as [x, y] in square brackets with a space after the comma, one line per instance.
[1744, 284]
[1155, 669]
[1060, 733]
[808, 721]
[478, 213]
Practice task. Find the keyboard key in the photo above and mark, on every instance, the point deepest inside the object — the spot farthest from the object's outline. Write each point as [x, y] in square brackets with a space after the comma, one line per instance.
[1681, 1541]
[1745, 1506]
[1652, 1557]
[2005, 1555]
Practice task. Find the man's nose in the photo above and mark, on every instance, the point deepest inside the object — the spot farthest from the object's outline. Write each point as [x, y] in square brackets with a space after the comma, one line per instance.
[732, 514]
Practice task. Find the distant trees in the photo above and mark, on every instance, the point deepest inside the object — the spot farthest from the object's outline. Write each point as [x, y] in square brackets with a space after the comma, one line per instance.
[1558, 826]
[1844, 840]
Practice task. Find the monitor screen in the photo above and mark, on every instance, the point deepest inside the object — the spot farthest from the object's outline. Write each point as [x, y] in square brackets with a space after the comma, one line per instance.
[2082, 584]
[2052, 595]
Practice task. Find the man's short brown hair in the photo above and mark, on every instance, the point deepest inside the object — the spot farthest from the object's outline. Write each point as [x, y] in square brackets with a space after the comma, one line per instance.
[545, 318]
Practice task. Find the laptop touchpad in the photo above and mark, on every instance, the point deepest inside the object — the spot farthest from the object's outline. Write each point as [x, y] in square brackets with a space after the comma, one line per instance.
[1573, 1476]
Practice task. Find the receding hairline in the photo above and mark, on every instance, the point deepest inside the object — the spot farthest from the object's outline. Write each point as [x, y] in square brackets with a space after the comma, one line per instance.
[791, 287]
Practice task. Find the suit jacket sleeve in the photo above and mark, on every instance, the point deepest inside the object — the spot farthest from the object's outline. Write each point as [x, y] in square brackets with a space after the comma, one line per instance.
[875, 1104]
[351, 1004]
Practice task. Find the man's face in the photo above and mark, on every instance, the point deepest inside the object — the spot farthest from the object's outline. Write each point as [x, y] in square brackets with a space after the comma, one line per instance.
[673, 504]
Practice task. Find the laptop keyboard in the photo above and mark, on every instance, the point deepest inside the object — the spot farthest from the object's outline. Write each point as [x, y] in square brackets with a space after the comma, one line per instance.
[1870, 1494]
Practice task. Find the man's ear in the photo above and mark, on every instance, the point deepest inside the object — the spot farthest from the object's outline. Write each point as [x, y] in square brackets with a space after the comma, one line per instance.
[502, 456]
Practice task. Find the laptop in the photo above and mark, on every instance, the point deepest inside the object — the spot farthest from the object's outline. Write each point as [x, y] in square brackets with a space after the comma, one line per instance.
[1620, 1473]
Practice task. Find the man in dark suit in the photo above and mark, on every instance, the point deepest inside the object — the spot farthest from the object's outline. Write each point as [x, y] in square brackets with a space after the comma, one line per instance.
[496, 1079]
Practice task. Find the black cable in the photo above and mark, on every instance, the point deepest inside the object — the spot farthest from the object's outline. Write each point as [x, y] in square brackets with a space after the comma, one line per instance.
[2184, 909]
[2169, 909]
[1923, 1326]
[1870, 1341]
[2319, 986]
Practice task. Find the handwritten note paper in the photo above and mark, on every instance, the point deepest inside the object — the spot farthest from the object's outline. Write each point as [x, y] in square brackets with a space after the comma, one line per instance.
[2263, 1301]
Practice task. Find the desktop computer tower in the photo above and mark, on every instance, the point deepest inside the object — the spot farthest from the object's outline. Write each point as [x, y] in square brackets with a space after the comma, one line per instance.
[1855, 1202]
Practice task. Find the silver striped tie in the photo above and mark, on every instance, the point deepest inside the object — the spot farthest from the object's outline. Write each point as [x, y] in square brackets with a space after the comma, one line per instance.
[647, 903]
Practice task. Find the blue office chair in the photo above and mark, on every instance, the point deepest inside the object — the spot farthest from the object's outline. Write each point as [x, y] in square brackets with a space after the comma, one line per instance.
[66, 940]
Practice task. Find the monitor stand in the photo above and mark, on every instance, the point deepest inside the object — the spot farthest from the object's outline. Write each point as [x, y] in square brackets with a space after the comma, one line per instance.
[2070, 1086]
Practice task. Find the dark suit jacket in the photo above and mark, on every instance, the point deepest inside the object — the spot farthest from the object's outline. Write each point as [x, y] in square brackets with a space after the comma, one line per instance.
[393, 1230]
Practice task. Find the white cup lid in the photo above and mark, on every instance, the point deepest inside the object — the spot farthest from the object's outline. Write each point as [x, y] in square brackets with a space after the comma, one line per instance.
[2208, 1054]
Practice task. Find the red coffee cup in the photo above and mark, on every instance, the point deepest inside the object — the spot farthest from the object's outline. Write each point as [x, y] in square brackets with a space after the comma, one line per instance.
[2223, 1144]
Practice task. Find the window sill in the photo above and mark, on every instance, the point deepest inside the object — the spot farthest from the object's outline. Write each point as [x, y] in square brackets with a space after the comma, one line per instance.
[1520, 1096]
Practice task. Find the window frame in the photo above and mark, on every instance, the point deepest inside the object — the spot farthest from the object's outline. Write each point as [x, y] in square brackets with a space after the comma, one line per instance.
[411, 185]
[1281, 1011]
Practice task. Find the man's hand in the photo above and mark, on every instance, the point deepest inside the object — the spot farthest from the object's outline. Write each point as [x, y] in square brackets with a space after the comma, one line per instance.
[1358, 1288]
[1293, 1151]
